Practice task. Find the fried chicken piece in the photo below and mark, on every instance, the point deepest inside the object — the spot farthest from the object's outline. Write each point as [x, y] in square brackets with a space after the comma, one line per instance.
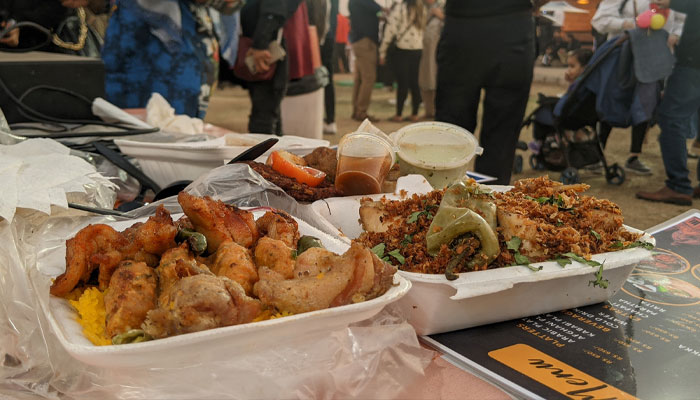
[92, 247]
[279, 225]
[201, 302]
[235, 262]
[314, 261]
[275, 255]
[131, 295]
[324, 159]
[355, 276]
[219, 222]
[176, 263]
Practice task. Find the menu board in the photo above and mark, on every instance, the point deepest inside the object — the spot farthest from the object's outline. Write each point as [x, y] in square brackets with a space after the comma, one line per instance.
[642, 343]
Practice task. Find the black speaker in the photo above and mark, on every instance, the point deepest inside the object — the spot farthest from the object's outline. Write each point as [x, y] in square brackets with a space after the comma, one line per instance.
[22, 71]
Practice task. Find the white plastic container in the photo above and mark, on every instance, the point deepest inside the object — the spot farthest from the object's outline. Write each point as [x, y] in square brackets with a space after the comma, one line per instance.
[189, 349]
[436, 305]
[166, 163]
[437, 150]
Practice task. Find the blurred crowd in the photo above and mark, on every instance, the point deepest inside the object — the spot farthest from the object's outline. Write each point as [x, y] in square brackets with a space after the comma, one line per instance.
[452, 57]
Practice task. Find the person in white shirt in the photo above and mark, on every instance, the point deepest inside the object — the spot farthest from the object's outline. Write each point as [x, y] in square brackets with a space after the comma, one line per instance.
[612, 18]
[405, 25]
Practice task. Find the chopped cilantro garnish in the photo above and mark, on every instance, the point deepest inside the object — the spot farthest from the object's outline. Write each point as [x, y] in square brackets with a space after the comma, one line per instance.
[596, 235]
[397, 255]
[407, 239]
[378, 250]
[514, 243]
[599, 280]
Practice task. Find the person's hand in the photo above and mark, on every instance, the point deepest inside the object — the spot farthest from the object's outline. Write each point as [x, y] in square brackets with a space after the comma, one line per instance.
[672, 41]
[438, 12]
[261, 59]
[662, 3]
[11, 39]
[628, 25]
[382, 60]
[74, 3]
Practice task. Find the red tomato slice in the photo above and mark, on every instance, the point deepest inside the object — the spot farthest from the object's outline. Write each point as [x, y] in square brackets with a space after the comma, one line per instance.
[302, 174]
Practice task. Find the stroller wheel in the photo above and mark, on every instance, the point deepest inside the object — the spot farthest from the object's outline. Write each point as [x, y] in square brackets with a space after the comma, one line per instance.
[535, 163]
[569, 176]
[615, 175]
[518, 164]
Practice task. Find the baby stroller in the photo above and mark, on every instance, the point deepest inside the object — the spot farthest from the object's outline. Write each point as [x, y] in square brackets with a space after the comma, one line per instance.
[616, 87]
[565, 150]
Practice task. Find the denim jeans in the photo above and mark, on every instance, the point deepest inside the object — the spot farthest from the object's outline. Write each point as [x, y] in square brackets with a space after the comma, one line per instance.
[681, 101]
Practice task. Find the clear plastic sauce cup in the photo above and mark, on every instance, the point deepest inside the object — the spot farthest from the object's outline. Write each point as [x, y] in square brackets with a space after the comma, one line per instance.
[364, 159]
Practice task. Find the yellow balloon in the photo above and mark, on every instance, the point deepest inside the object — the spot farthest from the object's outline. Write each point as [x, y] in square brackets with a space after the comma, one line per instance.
[657, 22]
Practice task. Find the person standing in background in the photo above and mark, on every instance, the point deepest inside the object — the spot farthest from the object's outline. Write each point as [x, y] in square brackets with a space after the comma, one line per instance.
[427, 73]
[405, 25]
[364, 36]
[489, 46]
[612, 18]
[327, 59]
[678, 108]
[163, 46]
[342, 31]
[262, 20]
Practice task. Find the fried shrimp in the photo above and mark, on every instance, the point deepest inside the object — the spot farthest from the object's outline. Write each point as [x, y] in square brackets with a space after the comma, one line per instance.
[94, 246]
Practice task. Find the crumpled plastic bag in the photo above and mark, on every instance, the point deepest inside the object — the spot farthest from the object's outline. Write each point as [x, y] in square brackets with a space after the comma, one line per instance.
[375, 358]
[465, 208]
[160, 114]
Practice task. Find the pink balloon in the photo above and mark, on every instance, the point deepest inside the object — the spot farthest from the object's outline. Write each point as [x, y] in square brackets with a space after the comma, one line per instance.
[644, 19]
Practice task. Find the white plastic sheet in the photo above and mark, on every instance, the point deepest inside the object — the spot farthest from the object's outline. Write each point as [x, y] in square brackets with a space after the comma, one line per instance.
[376, 358]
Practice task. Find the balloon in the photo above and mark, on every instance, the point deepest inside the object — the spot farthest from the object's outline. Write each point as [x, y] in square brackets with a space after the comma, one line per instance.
[657, 22]
[644, 19]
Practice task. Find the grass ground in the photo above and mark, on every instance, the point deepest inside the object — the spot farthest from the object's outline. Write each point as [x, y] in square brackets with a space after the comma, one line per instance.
[230, 108]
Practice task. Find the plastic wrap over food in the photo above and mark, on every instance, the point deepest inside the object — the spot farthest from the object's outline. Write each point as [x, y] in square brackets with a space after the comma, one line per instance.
[375, 358]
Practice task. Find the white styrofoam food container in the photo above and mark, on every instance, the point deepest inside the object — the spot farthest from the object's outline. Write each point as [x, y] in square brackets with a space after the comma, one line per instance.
[190, 348]
[436, 305]
[166, 163]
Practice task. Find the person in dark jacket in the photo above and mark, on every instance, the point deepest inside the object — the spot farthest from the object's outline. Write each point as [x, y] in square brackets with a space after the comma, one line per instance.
[489, 46]
[261, 20]
[680, 103]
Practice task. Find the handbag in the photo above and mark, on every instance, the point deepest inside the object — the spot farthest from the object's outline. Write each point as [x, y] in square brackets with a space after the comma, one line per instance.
[240, 68]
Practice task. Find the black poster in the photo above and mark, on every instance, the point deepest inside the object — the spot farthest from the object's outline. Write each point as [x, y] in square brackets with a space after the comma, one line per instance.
[643, 343]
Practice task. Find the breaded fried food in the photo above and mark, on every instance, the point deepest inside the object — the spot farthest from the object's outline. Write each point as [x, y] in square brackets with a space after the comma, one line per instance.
[552, 219]
[323, 159]
[95, 246]
[357, 275]
[175, 264]
[218, 221]
[275, 255]
[130, 296]
[299, 191]
[235, 262]
[277, 224]
[200, 302]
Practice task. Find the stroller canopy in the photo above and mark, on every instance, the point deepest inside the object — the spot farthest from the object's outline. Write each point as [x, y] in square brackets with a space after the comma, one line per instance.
[616, 87]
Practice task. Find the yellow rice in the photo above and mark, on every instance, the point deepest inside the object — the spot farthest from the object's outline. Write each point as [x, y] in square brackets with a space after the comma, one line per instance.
[91, 316]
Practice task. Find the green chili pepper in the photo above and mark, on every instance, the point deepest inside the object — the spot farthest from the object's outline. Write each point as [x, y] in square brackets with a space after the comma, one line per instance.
[131, 336]
[307, 242]
[196, 240]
